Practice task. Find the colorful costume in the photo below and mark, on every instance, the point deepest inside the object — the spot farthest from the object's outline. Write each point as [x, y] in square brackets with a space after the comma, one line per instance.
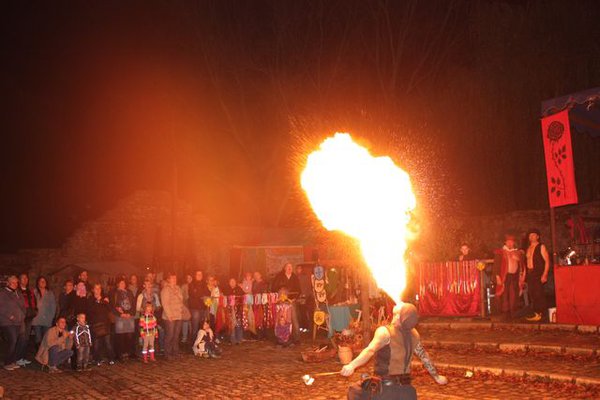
[283, 327]
[148, 332]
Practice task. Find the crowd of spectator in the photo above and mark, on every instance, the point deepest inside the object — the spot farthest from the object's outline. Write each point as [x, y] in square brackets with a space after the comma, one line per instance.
[133, 319]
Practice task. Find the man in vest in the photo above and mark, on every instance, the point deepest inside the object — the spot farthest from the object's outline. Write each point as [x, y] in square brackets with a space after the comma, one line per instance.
[393, 346]
[538, 265]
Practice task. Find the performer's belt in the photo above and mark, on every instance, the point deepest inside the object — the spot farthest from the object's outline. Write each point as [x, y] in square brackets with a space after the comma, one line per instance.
[374, 384]
[402, 379]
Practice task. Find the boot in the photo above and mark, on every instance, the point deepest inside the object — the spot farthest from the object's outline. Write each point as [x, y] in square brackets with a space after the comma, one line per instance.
[145, 358]
[152, 356]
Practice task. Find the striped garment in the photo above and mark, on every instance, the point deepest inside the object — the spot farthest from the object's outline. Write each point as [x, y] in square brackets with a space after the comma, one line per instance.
[148, 325]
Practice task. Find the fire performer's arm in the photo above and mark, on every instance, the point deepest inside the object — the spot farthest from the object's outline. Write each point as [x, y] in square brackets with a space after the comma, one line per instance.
[428, 364]
[381, 338]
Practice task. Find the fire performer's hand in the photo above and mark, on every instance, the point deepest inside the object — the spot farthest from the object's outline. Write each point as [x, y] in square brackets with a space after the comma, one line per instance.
[347, 370]
[441, 380]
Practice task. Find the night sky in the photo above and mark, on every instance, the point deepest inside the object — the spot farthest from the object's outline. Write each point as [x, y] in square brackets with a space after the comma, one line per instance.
[100, 97]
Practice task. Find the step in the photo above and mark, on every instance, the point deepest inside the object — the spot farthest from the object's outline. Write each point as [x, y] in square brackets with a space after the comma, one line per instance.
[484, 324]
[542, 340]
[513, 347]
[546, 368]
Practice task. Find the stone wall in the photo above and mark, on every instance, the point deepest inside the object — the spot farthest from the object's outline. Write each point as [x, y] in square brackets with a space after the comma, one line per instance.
[487, 232]
[138, 231]
[33, 260]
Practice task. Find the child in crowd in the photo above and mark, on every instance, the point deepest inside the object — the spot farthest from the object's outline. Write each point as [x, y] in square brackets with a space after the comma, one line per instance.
[148, 332]
[283, 330]
[83, 342]
[283, 324]
[205, 344]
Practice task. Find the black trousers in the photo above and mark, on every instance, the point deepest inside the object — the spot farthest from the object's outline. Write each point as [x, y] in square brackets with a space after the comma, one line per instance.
[535, 289]
[13, 338]
[102, 347]
[123, 344]
[305, 312]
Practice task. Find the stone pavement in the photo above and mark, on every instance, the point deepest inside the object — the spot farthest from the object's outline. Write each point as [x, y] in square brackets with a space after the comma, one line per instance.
[257, 370]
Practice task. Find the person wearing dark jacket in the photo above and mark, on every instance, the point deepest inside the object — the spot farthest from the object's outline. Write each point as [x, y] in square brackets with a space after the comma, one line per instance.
[12, 319]
[232, 289]
[198, 292]
[80, 301]
[288, 281]
[66, 303]
[80, 304]
[99, 318]
[305, 300]
[123, 306]
[31, 311]
[259, 286]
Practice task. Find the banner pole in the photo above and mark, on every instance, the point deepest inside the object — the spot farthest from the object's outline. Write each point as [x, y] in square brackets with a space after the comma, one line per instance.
[553, 234]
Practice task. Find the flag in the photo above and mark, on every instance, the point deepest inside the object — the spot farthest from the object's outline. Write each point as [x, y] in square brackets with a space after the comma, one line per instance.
[558, 153]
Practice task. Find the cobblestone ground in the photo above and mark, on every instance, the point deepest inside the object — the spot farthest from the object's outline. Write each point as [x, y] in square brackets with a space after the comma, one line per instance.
[256, 370]
[555, 338]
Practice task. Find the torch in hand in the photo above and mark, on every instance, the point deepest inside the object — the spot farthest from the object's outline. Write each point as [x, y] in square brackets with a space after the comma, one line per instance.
[310, 379]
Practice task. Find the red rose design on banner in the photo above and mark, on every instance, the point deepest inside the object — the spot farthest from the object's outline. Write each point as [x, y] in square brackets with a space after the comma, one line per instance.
[558, 152]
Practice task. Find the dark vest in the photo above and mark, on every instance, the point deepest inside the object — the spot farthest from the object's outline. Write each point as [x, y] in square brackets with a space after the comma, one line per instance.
[391, 359]
[538, 261]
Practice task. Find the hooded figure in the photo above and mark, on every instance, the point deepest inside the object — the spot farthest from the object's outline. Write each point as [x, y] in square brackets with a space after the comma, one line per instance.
[393, 346]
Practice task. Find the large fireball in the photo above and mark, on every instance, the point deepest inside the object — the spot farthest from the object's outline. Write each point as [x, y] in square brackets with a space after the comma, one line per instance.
[366, 197]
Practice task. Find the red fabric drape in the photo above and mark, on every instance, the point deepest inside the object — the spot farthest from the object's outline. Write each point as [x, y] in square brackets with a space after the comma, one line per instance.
[449, 288]
[558, 153]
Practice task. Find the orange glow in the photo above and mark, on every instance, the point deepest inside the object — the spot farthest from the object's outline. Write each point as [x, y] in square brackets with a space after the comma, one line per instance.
[366, 197]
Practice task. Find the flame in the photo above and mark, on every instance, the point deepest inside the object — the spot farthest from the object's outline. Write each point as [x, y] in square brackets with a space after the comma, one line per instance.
[366, 197]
